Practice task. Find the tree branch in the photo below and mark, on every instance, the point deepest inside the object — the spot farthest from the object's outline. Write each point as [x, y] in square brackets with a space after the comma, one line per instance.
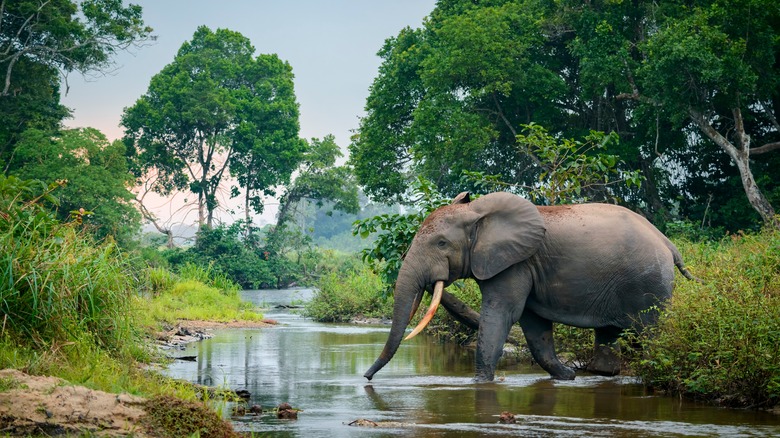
[708, 130]
[511, 128]
[765, 148]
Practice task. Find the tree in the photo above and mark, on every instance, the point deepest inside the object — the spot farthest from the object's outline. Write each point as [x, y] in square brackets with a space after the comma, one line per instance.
[213, 109]
[94, 174]
[702, 80]
[42, 41]
[321, 181]
[714, 68]
[452, 96]
[687, 88]
[266, 143]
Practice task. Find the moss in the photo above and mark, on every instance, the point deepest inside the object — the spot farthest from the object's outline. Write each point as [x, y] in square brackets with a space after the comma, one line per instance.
[168, 416]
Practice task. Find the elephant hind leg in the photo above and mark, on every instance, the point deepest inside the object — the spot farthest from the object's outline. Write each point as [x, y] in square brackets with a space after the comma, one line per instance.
[539, 336]
[606, 361]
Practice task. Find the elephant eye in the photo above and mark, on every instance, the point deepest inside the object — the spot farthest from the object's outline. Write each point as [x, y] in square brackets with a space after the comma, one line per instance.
[442, 243]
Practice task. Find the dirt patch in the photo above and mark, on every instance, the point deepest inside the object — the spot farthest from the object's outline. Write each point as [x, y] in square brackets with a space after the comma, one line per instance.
[39, 405]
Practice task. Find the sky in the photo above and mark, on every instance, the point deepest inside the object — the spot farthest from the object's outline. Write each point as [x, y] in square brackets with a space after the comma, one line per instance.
[330, 44]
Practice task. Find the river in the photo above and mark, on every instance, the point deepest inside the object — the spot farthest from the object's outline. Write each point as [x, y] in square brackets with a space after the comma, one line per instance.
[426, 390]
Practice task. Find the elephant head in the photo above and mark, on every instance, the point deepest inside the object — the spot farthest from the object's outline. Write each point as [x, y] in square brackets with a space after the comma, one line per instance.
[465, 239]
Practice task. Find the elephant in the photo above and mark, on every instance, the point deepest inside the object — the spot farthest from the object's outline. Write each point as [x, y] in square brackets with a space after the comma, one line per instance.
[589, 265]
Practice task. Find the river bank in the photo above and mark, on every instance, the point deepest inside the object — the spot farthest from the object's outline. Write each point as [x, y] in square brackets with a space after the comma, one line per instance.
[47, 405]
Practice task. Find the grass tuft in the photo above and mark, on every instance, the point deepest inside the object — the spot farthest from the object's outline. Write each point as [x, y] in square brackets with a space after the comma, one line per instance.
[172, 417]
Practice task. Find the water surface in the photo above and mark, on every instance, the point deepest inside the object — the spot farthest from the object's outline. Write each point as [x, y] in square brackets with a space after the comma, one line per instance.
[427, 389]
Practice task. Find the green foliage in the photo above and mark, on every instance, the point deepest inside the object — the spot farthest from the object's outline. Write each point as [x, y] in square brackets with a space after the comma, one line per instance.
[321, 181]
[396, 232]
[94, 175]
[688, 231]
[41, 40]
[575, 171]
[57, 283]
[720, 340]
[346, 294]
[224, 250]
[675, 81]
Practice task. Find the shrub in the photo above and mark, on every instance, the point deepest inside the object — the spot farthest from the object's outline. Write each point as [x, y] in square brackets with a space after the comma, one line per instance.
[343, 296]
[721, 340]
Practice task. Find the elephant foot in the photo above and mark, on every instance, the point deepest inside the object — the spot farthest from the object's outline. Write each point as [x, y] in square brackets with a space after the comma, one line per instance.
[563, 373]
[605, 363]
[483, 378]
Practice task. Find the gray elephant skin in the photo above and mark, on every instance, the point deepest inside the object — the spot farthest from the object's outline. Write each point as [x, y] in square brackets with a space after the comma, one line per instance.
[597, 266]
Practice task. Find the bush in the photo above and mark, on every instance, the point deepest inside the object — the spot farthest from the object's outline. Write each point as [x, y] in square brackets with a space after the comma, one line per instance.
[721, 340]
[342, 296]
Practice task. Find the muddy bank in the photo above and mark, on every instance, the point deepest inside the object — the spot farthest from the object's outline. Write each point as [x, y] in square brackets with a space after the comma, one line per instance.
[50, 406]
[186, 331]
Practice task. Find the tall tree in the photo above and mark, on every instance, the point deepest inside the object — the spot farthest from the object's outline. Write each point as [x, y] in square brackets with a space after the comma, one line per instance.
[266, 143]
[320, 181]
[715, 68]
[198, 119]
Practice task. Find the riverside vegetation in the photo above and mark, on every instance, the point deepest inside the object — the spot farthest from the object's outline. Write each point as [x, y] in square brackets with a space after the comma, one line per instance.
[85, 311]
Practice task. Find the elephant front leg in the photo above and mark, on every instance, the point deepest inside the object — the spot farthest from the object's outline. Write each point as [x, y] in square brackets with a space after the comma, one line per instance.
[494, 326]
[539, 336]
[503, 301]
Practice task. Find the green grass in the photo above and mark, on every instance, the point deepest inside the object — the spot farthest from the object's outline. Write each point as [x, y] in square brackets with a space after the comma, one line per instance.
[192, 300]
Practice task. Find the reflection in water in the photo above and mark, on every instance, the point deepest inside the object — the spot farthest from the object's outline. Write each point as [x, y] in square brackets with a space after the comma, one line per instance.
[427, 388]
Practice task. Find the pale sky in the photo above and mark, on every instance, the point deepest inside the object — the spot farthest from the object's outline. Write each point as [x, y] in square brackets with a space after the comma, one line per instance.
[331, 46]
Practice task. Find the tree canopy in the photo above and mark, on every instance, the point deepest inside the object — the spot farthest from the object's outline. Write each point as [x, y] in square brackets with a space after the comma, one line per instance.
[41, 42]
[690, 89]
[213, 111]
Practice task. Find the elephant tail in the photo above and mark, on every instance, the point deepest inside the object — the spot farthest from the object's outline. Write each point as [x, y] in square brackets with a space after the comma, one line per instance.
[678, 261]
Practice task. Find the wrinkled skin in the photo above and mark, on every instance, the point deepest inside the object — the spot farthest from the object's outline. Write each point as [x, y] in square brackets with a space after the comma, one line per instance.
[596, 266]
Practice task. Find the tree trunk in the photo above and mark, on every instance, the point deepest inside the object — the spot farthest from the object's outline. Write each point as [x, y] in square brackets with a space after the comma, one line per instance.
[741, 158]
[201, 210]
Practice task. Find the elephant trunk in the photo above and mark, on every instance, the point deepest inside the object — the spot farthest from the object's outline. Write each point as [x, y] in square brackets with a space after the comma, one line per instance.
[408, 294]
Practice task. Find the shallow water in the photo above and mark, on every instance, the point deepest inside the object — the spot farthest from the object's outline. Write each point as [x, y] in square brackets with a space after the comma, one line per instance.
[426, 390]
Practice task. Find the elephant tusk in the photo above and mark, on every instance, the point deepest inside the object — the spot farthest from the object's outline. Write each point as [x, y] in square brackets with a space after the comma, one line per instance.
[437, 292]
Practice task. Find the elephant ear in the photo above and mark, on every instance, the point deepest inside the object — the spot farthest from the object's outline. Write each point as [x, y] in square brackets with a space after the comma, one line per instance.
[508, 231]
[462, 198]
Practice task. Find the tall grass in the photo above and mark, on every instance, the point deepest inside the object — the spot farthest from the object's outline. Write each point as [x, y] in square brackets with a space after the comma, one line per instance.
[56, 283]
[73, 307]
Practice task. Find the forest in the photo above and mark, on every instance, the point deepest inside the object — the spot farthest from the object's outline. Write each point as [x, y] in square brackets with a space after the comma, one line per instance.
[668, 108]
